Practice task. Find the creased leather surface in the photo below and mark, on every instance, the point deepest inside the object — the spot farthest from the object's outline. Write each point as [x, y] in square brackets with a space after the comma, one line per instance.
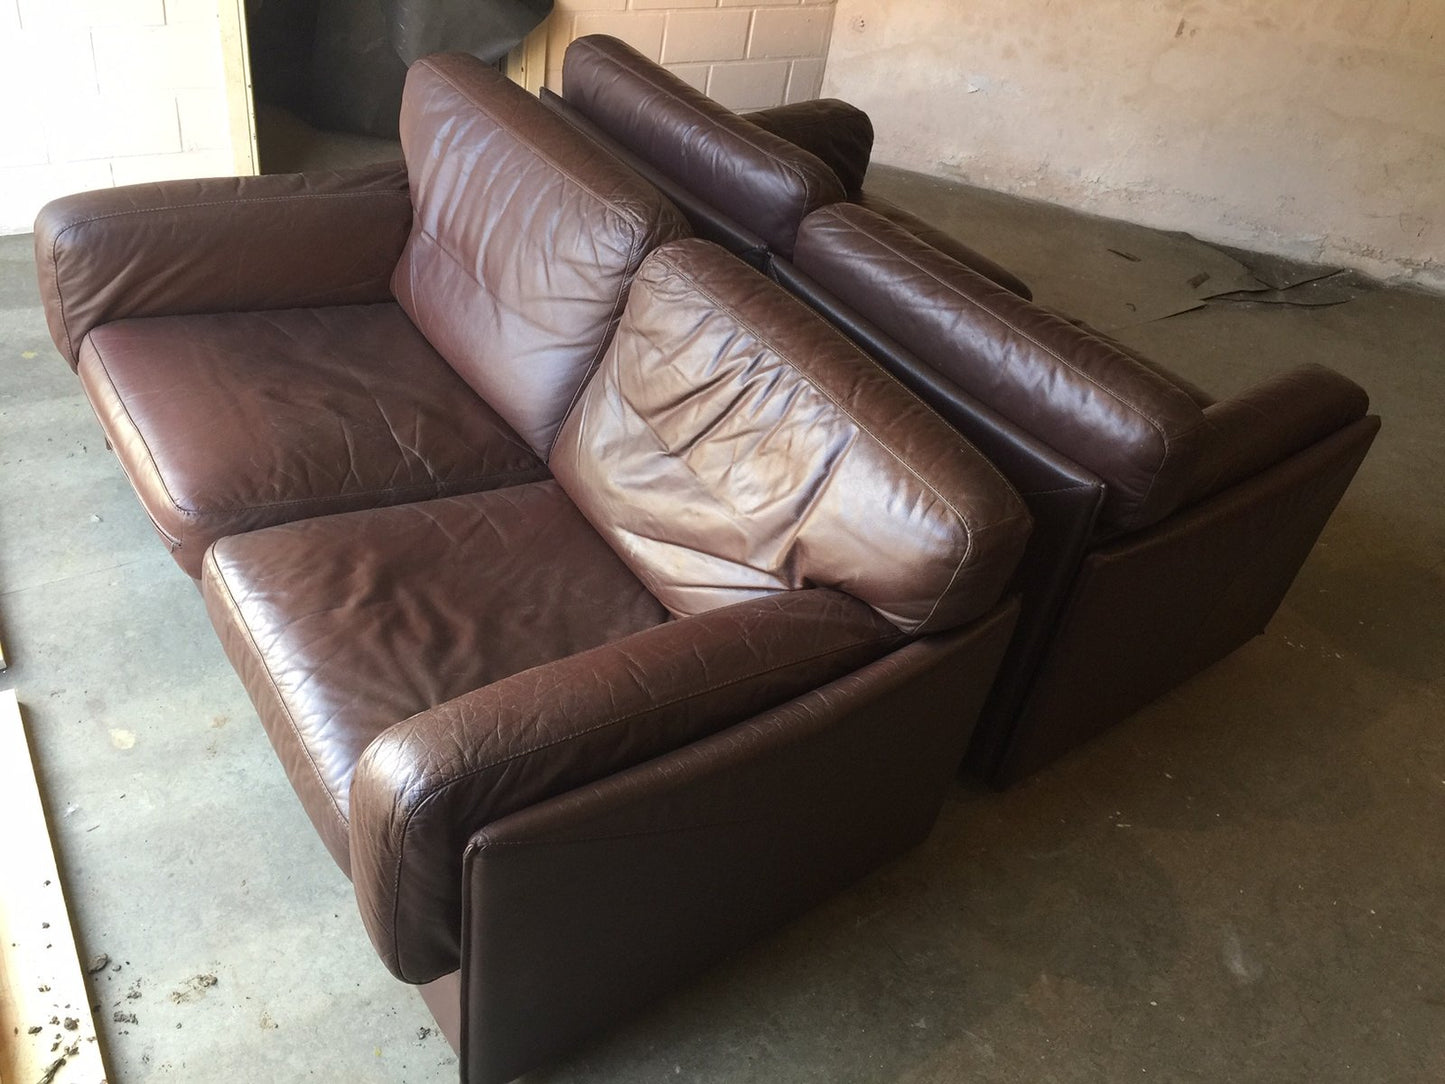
[1138, 432]
[222, 244]
[524, 240]
[229, 422]
[839, 134]
[763, 181]
[424, 787]
[946, 243]
[733, 444]
[344, 625]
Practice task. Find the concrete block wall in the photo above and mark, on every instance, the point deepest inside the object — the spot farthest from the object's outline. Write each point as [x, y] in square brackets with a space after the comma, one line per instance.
[746, 55]
[95, 93]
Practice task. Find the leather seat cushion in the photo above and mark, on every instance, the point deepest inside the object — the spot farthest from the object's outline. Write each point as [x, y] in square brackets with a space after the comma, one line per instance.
[344, 625]
[230, 422]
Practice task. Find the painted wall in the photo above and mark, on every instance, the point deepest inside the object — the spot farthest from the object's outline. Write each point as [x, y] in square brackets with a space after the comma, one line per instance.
[747, 55]
[95, 93]
[1310, 128]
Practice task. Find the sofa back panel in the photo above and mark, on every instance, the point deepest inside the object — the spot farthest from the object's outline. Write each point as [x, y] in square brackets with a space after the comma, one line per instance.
[838, 133]
[1130, 425]
[732, 444]
[764, 182]
[524, 240]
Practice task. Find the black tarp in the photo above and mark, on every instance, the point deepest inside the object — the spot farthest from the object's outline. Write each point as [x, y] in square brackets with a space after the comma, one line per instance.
[340, 64]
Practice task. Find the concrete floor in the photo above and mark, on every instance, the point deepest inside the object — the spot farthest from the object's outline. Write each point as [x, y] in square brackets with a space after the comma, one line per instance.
[1243, 883]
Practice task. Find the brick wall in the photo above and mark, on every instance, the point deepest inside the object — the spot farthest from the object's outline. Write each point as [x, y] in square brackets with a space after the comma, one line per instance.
[95, 93]
[745, 54]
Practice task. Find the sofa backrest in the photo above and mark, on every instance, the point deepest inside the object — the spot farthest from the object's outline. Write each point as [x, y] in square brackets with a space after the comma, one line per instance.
[1125, 421]
[759, 179]
[524, 240]
[732, 444]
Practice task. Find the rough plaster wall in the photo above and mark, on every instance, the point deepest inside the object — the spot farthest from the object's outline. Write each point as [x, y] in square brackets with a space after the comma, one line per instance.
[1310, 128]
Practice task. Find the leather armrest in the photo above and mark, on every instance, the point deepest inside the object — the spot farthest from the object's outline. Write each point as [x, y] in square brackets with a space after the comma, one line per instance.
[1272, 420]
[583, 908]
[427, 785]
[222, 244]
[838, 133]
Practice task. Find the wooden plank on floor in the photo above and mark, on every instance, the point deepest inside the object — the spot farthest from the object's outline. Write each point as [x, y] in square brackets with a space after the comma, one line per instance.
[46, 1031]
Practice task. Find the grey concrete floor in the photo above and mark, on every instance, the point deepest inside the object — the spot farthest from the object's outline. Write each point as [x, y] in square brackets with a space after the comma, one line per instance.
[1245, 882]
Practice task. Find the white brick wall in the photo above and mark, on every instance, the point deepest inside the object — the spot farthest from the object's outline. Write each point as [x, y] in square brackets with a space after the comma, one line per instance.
[95, 93]
[746, 54]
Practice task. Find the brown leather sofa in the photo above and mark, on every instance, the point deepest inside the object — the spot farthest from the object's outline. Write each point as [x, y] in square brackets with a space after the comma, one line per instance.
[1168, 526]
[604, 605]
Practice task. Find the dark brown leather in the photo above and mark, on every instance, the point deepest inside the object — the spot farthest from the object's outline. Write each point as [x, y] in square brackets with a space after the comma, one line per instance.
[342, 626]
[1062, 497]
[226, 423]
[426, 785]
[1141, 434]
[839, 134]
[706, 221]
[712, 165]
[761, 180]
[585, 907]
[1152, 609]
[219, 245]
[524, 240]
[733, 444]
[1272, 420]
[946, 243]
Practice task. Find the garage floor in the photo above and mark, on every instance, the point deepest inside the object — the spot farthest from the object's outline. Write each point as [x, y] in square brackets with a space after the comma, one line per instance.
[1243, 883]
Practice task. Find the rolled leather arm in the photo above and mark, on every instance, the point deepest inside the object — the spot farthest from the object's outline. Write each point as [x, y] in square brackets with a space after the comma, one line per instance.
[221, 244]
[427, 785]
[1271, 421]
[947, 244]
[838, 133]
[582, 908]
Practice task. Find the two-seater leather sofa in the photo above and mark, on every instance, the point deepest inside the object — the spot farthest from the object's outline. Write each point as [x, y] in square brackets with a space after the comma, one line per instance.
[604, 605]
[1168, 526]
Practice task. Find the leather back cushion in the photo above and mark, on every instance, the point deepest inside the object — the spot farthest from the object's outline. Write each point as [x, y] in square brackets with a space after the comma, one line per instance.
[764, 182]
[1127, 422]
[732, 444]
[524, 240]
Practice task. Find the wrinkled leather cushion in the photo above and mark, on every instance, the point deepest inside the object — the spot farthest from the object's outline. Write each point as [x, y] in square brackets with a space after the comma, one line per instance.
[231, 422]
[733, 444]
[1130, 425]
[947, 244]
[219, 244]
[523, 242]
[839, 134]
[342, 626]
[764, 182]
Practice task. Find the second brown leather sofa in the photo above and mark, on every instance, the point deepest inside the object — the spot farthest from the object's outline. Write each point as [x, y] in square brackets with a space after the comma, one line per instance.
[1168, 526]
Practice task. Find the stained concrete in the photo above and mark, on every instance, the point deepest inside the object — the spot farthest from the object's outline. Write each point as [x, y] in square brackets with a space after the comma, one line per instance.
[1242, 883]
